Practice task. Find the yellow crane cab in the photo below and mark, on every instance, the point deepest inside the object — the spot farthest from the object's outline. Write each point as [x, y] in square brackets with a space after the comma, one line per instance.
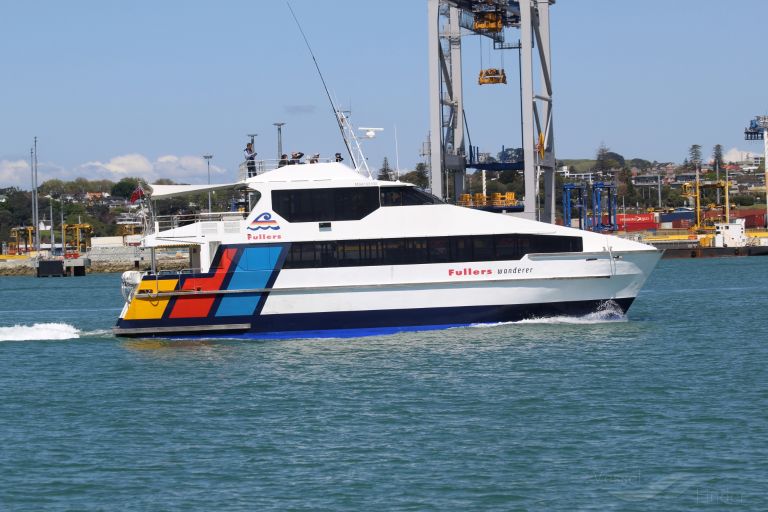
[488, 22]
[492, 76]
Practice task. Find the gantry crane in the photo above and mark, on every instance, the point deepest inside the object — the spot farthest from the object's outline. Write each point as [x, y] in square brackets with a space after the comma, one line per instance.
[490, 18]
[692, 191]
[758, 130]
[76, 239]
[22, 240]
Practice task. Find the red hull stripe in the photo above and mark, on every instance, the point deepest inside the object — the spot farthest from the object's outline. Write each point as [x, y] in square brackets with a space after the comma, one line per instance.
[197, 307]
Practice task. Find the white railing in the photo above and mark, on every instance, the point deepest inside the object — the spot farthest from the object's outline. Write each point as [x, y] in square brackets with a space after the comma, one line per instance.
[166, 222]
[261, 166]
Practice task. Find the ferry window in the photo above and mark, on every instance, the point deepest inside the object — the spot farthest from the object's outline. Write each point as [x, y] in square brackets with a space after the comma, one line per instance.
[370, 252]
[406, 196]
[461, 249]
[413, 251]
[354, 203]
[482, 248]
[508, 247]
[302, 255]
[524, 246]
[416, 251]
[253, 198]
[327, 253]
[326, 204]
[350, 252]
[439, 250]
[394, 251]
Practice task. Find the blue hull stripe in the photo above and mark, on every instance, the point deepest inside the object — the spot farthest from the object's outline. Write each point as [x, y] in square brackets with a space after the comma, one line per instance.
[254, 269]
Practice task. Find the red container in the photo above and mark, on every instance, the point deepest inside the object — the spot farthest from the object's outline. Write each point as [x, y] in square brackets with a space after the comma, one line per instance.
[636, 221]
[682, 223]
[754, 221]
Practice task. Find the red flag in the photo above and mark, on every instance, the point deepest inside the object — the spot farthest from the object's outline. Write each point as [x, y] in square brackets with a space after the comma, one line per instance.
[137, 194]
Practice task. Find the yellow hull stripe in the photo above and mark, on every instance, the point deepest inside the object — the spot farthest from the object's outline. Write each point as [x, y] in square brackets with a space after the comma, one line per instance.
[150, 307]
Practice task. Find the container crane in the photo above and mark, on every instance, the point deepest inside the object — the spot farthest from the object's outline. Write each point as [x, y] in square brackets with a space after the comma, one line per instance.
[758, 130]
[448, 140]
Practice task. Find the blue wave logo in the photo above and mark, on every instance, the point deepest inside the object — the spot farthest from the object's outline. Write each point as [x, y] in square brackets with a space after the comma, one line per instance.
[263, 221]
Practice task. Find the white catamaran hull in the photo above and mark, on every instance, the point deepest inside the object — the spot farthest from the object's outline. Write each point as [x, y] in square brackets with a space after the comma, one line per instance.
[337, 301]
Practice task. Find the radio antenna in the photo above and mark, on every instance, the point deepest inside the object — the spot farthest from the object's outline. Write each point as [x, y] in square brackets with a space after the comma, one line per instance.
[336, 112]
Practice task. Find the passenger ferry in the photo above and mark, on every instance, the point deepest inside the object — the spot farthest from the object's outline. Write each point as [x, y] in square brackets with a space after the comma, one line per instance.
[322, 250]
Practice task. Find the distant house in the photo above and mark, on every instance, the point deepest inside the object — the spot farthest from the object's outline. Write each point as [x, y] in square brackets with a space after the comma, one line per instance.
[96, 197]
[646, 180]
[687, 177]
[116, 202]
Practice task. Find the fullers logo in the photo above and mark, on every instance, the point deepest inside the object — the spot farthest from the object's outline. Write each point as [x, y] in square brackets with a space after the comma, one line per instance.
[469, 271]
[263, 221]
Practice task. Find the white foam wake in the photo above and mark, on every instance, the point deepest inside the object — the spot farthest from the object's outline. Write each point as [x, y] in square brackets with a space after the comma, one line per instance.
[599, 317]
[48, 331]
[608, 312]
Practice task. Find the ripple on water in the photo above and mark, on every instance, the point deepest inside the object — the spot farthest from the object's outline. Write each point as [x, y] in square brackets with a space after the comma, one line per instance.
[663, 409]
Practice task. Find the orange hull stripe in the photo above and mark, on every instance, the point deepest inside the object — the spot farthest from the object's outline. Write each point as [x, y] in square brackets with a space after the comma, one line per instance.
[200, 306]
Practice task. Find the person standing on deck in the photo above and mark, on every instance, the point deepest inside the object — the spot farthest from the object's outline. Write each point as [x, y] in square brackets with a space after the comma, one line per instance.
[250, 159]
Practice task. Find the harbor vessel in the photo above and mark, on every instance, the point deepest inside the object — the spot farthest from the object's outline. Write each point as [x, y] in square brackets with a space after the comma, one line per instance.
[321, 249]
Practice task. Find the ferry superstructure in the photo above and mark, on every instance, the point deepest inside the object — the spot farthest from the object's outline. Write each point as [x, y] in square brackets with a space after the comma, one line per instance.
[322, 250]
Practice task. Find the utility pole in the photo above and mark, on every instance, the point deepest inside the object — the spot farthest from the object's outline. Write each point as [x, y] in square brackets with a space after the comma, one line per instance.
[53, 238]
[208, 161]
[279, 139]
[717, 178]
[35, 206]
[658, 177]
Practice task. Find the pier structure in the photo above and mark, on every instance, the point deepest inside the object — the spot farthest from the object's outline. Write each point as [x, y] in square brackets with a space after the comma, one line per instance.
[758, 130]
[494, 19]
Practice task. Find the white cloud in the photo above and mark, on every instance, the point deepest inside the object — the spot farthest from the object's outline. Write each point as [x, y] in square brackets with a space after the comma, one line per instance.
[182, 169]
[15, 173]
[186, 169]
[119, 167]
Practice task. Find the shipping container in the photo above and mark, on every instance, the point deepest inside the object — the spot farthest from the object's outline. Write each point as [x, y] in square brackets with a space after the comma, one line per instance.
[673, 216]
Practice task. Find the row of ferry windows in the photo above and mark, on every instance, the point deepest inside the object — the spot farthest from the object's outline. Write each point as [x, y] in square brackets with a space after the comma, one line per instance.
[413, 251]
[336, 204]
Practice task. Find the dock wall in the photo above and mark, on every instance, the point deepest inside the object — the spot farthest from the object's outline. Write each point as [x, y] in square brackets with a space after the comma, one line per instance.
[107, 259]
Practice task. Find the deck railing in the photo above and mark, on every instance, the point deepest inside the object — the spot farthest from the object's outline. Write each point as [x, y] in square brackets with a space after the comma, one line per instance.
[166, 222]
[261, 166]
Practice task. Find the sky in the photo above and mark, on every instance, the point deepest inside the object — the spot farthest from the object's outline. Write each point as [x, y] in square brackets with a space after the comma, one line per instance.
[145, 88]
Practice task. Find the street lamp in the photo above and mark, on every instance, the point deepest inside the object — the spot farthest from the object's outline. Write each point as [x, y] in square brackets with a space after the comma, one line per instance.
[279, 139]
[208, 161]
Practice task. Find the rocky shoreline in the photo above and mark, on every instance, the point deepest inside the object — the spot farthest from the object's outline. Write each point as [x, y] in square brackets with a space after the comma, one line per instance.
[27, 268]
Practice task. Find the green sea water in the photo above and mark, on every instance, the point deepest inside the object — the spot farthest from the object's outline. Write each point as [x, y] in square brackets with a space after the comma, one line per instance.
[666, 409]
